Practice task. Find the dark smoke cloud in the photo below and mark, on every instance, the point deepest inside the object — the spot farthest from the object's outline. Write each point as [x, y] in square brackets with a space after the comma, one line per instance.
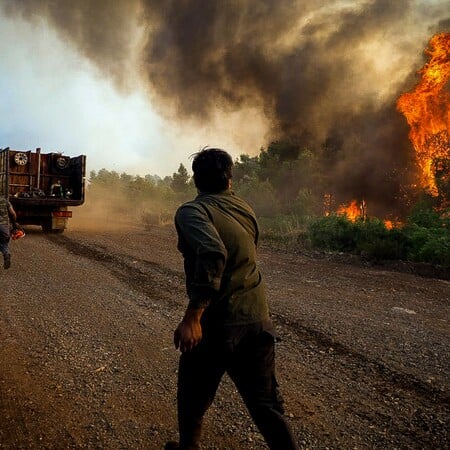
[309, 66]
[442, 26]
[100, 29]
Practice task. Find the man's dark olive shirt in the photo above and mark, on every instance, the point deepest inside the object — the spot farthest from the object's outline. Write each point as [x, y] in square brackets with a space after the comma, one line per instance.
[217, 235]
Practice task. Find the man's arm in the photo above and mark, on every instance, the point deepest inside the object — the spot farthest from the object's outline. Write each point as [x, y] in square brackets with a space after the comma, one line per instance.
[204, 252]
[203, 269]
[12, 214]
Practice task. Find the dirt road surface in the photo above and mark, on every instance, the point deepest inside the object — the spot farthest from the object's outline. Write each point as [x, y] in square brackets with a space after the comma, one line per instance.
[86, 355]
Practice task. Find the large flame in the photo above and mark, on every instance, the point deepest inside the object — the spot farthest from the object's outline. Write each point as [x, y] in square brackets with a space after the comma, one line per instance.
[358, 211]
[426, 109]
[353, 210]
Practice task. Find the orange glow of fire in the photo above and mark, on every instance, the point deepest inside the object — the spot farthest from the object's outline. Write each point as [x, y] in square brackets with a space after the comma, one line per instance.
[390, 224]
[358, 211]
[426, 109]
[353, 211]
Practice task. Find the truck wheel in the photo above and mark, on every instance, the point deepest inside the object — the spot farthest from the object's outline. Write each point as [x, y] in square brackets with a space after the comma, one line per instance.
[50, 231]
[21, 158]
[47, 228]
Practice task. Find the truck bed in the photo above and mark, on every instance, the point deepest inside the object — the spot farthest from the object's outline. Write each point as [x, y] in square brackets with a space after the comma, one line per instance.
[28, 177]
[41, 186]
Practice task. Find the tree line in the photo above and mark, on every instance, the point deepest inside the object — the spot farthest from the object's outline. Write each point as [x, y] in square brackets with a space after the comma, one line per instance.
[286, 184]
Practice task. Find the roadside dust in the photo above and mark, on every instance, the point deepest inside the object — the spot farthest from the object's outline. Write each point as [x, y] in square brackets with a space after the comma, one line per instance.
[104, 209]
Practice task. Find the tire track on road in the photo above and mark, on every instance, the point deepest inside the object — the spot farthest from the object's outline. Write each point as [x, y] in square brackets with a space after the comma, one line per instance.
[148, 277]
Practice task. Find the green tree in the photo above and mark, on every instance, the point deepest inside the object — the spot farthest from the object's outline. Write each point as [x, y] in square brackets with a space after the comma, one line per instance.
[180, 179]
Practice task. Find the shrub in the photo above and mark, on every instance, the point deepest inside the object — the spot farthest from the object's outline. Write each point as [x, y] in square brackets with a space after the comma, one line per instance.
[430, 245]
[333, 232]
[425, 238]
[370, 239]
[423, 215]
[282, 228]
[392, 244]
[374, 241]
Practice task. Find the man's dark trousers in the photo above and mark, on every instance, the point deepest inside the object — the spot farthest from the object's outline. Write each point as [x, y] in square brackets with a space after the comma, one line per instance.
[247, 354]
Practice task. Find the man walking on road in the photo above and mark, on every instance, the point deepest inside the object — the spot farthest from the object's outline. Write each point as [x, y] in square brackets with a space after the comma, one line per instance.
[7, 214]
[226, 326]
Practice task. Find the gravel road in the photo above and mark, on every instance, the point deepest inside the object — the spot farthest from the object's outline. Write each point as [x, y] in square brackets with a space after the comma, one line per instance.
[86, 355]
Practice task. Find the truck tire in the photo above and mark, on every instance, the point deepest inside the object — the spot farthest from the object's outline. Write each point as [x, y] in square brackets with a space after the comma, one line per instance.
[47, 228]
[21, 158]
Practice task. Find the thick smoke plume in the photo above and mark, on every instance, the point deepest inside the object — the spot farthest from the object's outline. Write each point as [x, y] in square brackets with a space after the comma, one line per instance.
[324, 73]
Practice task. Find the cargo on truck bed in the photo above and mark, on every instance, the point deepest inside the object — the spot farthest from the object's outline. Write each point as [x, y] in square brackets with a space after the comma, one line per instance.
[42, 186]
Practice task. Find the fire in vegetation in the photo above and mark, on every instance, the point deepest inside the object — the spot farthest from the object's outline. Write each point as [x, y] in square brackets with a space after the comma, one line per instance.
[426, 109]
[353, 211]
[358, 211]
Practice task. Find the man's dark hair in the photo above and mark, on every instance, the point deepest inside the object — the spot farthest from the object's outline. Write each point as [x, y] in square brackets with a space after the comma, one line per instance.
[212, 169]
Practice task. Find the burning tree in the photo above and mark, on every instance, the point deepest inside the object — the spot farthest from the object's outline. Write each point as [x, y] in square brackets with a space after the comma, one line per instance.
[354, 210]
[426, 109]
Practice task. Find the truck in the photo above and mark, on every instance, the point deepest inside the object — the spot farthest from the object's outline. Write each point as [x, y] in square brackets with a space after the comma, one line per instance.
[42, 186]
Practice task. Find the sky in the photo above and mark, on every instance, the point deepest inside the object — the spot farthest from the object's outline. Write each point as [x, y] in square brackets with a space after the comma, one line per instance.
[53, 98]
[73, 86]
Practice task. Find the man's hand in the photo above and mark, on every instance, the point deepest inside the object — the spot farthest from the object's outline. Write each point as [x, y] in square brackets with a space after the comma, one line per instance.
[189, 332]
